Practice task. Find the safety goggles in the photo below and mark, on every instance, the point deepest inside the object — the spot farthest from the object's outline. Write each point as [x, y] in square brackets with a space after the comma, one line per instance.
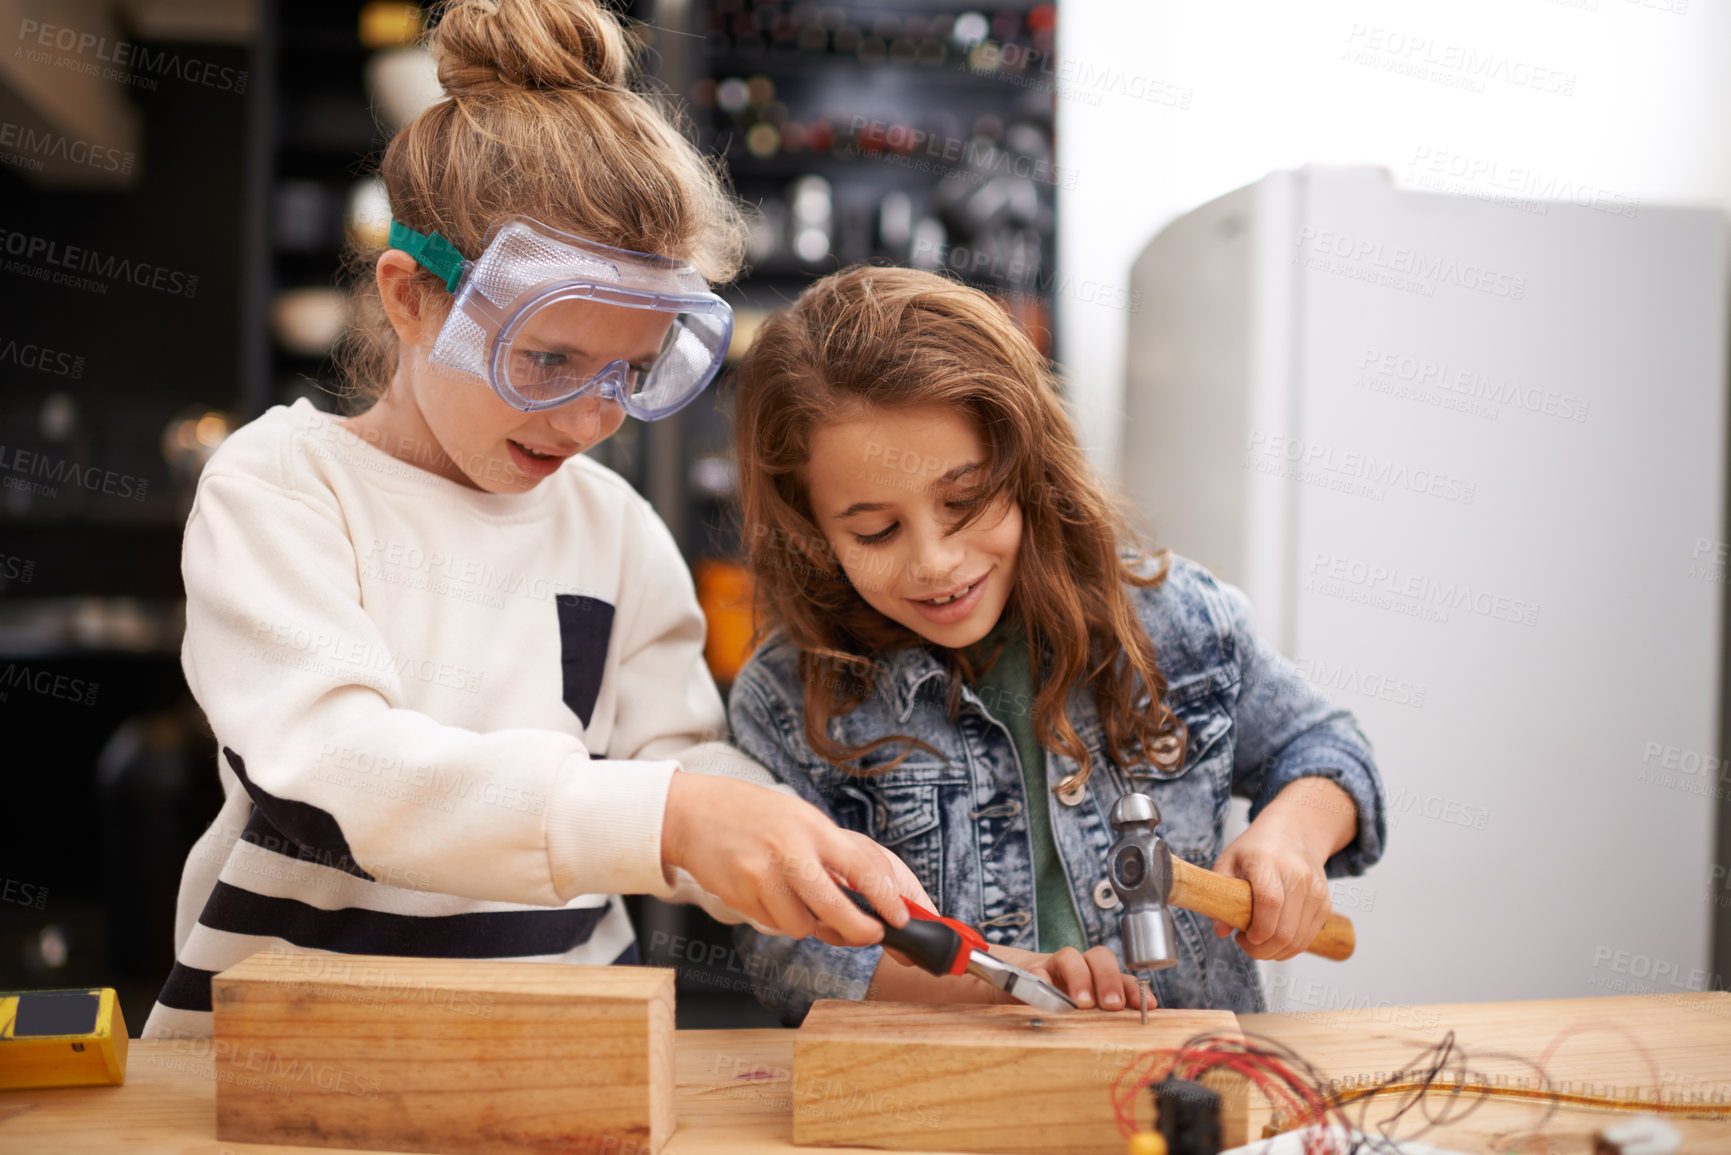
[528, 316]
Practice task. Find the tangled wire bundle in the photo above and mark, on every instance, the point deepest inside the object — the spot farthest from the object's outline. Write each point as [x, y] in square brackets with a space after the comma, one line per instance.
[1440, 1087]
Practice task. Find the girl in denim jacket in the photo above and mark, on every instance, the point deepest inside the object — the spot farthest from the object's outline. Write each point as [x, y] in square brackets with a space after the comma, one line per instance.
[969, 660]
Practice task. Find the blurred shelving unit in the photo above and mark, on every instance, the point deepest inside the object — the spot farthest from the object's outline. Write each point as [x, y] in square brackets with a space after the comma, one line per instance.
[320, 134]
[119, 360]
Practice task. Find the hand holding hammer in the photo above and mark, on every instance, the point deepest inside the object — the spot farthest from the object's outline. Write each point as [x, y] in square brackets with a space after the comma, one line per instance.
[1149, 879]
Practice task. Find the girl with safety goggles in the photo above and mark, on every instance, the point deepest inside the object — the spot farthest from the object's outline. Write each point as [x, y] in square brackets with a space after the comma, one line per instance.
[454, 668]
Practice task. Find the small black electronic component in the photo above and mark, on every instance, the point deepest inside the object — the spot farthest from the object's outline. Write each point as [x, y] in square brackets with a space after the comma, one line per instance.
[1187, 1115]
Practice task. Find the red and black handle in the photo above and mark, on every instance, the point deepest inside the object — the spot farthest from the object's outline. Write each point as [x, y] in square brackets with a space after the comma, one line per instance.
[937, 944]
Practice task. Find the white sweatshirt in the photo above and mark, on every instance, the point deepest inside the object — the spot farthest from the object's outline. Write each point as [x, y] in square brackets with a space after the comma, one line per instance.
[446, 719]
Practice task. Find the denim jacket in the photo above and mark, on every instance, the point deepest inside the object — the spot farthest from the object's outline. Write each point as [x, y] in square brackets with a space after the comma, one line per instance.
[958, 818]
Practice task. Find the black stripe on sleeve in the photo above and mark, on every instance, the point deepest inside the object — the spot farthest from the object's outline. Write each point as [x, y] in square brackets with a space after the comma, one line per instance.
[302, 822]
[261, 833]
[187, 989]
[355, 930]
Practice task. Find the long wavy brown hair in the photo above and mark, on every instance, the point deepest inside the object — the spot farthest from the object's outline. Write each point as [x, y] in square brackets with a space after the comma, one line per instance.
[888, 338]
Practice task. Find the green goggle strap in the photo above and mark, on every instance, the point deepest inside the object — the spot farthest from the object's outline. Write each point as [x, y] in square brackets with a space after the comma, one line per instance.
[431, 252]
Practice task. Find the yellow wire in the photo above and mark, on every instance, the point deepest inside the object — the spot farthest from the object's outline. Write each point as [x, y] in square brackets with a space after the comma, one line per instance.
[1716, 1109]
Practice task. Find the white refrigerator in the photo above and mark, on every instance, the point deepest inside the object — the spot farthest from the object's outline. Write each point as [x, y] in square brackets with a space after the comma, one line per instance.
[1467, 456]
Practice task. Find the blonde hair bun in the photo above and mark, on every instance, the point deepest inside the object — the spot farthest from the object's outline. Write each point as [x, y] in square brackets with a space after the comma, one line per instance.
[492, 46]
[542, 122]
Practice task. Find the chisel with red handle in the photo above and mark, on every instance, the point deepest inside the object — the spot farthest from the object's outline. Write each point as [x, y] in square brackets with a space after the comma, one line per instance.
[944, 946]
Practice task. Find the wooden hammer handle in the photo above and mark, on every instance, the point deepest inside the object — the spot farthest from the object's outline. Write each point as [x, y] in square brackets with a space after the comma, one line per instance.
[1228, 899]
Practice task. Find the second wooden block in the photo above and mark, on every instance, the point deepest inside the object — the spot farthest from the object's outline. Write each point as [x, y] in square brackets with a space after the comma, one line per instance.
[987, 1078]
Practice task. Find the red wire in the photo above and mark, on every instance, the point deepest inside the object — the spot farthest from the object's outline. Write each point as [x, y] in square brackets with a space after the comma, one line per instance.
[1289, 1093]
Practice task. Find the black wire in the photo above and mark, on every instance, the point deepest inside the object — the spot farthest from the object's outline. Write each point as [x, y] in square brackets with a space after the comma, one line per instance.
[1440, 1076]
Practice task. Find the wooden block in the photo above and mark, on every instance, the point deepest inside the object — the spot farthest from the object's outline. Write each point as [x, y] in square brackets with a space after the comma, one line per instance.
[443, 1055]
[987, 1078]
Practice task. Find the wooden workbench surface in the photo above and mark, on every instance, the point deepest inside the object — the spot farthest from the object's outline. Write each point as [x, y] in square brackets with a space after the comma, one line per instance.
[734, 1093]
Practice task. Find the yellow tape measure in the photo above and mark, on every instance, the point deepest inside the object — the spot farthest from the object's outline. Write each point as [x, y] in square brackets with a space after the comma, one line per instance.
[71, 1038]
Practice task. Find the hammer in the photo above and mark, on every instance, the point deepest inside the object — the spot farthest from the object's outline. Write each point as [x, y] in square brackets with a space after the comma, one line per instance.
[1149, 880]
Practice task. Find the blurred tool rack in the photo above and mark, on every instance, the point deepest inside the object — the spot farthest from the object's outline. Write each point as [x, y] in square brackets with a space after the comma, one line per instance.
[910, 134]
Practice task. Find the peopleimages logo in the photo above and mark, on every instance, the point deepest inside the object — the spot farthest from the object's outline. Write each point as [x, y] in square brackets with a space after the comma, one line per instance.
[1417, 595]
[23, 893]
[978, 155]
[25, 146]
[90, 477]
[1424, 268]
[1454, 65]
[120, 60]
[47, 684]
[27, 355]
[16, 569]
[78, 259]
[987, 270]
[1368, 473]
[1325, 675]
[1471, 384]
[1450, 171]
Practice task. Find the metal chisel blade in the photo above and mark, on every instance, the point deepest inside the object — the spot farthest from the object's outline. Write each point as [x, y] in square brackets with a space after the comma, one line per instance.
[1018, 983]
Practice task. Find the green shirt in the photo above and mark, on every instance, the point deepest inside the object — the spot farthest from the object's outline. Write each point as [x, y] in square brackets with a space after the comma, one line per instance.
[1007, 691]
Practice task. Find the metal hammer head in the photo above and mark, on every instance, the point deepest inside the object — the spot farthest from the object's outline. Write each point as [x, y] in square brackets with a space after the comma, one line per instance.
[1139, 866]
